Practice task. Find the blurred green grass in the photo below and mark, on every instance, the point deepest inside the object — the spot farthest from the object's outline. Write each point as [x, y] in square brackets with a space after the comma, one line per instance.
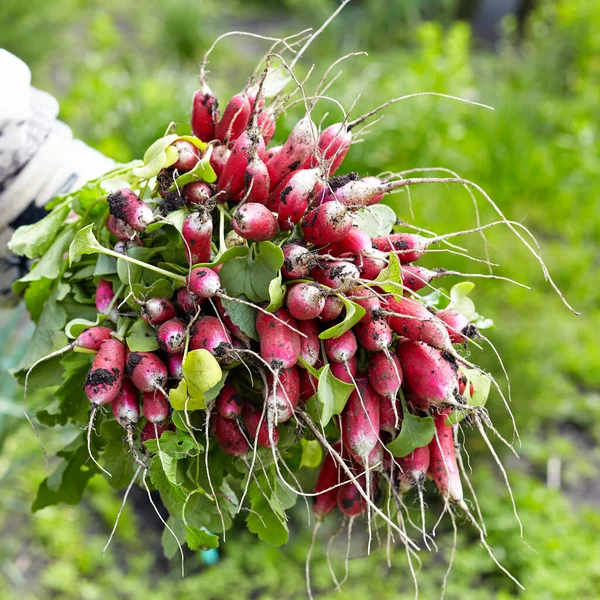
[122, 73]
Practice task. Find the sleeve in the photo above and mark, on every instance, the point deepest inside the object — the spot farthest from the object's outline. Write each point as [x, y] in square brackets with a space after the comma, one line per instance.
[39, 159]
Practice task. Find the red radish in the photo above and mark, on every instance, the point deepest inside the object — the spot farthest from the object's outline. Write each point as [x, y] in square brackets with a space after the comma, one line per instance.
[171, 336]
[188, 155]
[294, 199]
[329, 477]
[234, 329]
[255, 222]
[297, 148]
[104, 298]
[332, 309]
[338, 275]
[208, 333]
[187, 301]
[310, 346]
[429, 375]
[390, 415]
[366, 298]
[328, 193]
[373, 198]
[412, 320]
[103, 382]
[218, 159]
[360, 192]
[345, 372]
[297, 260]
[458, 326]
[197, 232]
[275, 195]
[229, 402]
[305, 301]
[385, 374]
[119, 228]
[334, 143]
[280, 346]
[158, 310]
[284, 394]
[271, 152]
[126, 205]
[372, 264]
[266, 125]
[356, 242]
[147, 371]
[308, 385]
[327, 223]
[408, 247]
[443, 467]
[126, 406]
[251, 417]
[229, 436]
[415, 278]
[360, 419]
[151, 430]
[92, 338]
[462, 386]
[197, 192]
[204, 114]
[341, 349]
[234, 120]
[413, 469]
[155, 407]
[374, 336]
[203, 282]
[349, 500]
[174, 366]
[375, 457]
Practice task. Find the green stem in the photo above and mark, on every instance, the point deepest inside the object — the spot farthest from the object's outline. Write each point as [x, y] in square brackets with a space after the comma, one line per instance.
[122, 331]
[139, 263]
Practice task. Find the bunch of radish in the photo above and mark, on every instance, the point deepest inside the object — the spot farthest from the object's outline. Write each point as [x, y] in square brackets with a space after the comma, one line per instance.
[241, 305]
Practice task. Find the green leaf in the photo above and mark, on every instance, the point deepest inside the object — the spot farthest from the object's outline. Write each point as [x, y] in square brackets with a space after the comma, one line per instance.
[242, 315]
[332, 394]
[212, 394]
[481, 385]
[392, 274]
[415, 432]
[178, 397]
[462, 303]
[84, 242]
[105, 265]
[132, 273]
[174, 218]
[276, 294]
[77, 326]
[157, 157]
[116, 456]
[312, 453]
[251, 276]
[201, 372]
[173, 496]
[354, 313]
[35, 296]
[203, 171]
[200, 539]
[142, 337]
[375, 220]
[34, 240]
[266, 520]
[169, 545]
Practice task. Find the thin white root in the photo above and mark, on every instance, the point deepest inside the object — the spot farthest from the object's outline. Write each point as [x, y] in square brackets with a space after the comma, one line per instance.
[90, 428]
[452, 554]
[308, 555]
[347, 558]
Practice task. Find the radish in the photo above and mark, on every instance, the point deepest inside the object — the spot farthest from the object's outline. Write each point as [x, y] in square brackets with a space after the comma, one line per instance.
[360, 192]
[429, 375]
[385, 374]
[349, 500]
[297, 148]
[390, 415]
[284, 395]
[209, 334]
[412, 320]
[197, 233]
[197, 192]
[218, 159]
[375, 335]
[105, 300]
[187, 301]
[119, 228]
[308, 385]
[271, 152]
[360, 419]
[343, 348]
[345, 372]
[255, 222]
[305, 301]
[337, 275]
[443, 467]
[152, 430]
[147, 371]
[92, 338]
[174, 366]
[294, 199]
[332, 309]
[126, 406]
[234, 329]
[413, 469]
[103, 382]
[158, 310]
[126, 205]
[234, 120]
[155, 407]
[251, 418]
[327, 223]
[334, 143]
[279, 345]
[229, 437]
[203, 282]
[462, 386]
[229, 402]
[298, 260]
[458, 326]
[366, 298]
[355, 242]
[187, 156]
[374, 458]
[204, 114]
[310, 346]
[329, 477]
[171, 336]
[408, 247]
[372, 264]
